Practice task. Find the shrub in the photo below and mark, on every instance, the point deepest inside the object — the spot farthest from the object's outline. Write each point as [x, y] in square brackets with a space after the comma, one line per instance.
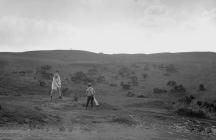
[134, 80]
[191, 113]
[157, 90]
[125, 86]
[171, 83]
[187, 99]
[145, 75]
[209, 106]
[130, 94]
[178, 89]
[199, 103]
[141, 96]
[202, 87]
[42, 83]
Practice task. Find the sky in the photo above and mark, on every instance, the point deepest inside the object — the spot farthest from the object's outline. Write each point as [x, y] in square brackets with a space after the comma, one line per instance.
[108, 26]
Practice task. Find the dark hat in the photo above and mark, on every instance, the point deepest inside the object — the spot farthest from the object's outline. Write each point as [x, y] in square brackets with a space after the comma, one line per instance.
[89, 84]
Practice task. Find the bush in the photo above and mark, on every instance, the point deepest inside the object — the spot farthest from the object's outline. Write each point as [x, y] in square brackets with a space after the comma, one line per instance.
[157, 90]
[199, 103]
[187, 99]
[171, 83]
[145, 75]
[202, 87]
[178, 89]
[191, 113]
[42, 83]
[209, 106]
[130, 94]
[141, 96]
[125, 86]
[134, 80]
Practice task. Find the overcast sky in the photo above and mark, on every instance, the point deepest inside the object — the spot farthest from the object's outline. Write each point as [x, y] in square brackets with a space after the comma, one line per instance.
[108, 26]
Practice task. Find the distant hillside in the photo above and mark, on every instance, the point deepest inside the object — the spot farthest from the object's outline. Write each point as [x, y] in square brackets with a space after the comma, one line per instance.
[76, 56]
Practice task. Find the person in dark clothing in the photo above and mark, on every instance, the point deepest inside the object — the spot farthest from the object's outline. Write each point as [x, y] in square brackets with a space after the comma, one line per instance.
[90, 92]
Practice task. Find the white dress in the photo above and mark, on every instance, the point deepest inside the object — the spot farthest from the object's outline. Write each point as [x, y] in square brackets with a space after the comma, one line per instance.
[56, 83]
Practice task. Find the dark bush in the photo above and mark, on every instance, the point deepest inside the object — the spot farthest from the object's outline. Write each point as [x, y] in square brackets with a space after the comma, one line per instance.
[199, 103]
[187, 99]
[22, 73]
[191, 113]
[209, 106]
[178, 89]
[171, 83]
[145, 75]
[158, 90]
[141, 96]
[42, 83]
[134, 80]
[130, 94]
[125, 86]
[202, 87]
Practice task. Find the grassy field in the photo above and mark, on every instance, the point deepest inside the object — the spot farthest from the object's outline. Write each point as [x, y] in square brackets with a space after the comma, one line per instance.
[157, 96]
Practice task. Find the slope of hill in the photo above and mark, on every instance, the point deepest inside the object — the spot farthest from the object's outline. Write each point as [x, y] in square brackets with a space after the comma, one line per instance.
[76, 56]
[133, 89]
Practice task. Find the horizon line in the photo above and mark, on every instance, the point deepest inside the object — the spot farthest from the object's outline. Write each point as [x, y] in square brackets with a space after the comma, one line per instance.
[108, 53]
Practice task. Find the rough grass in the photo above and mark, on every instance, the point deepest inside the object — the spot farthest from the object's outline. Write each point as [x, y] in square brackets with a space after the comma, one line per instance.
[124, 120]
[25, 115]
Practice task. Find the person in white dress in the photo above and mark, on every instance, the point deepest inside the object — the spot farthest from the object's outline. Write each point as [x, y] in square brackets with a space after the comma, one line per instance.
[56, 85]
